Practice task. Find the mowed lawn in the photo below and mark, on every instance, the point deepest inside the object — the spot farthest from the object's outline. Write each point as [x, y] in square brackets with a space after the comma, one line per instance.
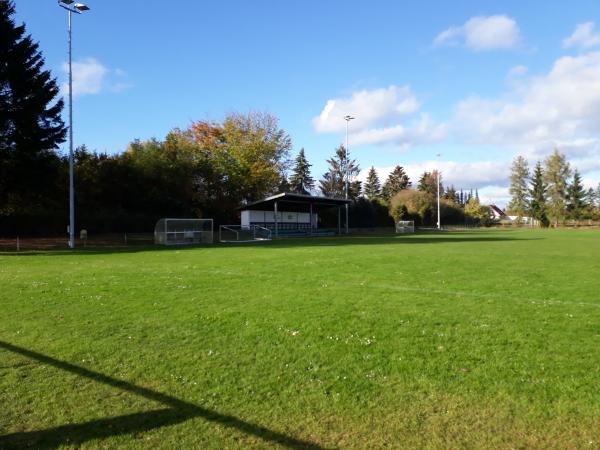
[484, 339]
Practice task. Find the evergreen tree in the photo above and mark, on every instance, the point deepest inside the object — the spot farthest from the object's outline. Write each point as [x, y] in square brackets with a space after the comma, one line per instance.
[537, 196]
[30, 123]
[424, 182]
[372, 188]
[590, 198]
[397, 181]
[284, 184]
[556, 174]
[428, 183]
[301, 181]
[451, 194]
[519, 192]
[333, 183]
[576, 196]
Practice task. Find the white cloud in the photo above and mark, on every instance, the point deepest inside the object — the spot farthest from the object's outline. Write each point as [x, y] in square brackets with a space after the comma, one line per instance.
[92, 77]
[422, 131]
[494, 195]
[489, 178]
[462, 175]
[560, 109]
[371, 108]
[383, 117]
[518, 71]
[583, 36]
[482, 33]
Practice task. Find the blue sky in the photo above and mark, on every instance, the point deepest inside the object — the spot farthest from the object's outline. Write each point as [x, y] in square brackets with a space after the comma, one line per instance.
[475, 81]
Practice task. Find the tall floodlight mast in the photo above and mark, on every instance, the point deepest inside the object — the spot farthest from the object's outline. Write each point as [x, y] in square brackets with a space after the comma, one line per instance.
[439, 223]
[71, 8]
[347, 119]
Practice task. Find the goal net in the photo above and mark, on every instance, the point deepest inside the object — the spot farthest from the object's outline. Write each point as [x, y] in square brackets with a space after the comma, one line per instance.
[183, 231]
[405, 226]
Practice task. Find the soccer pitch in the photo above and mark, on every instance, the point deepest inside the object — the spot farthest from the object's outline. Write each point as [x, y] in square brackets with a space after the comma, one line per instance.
[485, 339]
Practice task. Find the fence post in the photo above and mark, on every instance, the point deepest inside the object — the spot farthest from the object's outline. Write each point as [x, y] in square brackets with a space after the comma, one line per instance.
[18, 244]
[125, 238]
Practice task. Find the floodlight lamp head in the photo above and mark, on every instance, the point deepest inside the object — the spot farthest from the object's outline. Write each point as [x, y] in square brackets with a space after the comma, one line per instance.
[66, 2]
[81, 7]
[348, 118]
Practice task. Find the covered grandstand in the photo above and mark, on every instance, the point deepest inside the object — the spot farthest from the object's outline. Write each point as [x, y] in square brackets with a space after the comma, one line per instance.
[288, 214]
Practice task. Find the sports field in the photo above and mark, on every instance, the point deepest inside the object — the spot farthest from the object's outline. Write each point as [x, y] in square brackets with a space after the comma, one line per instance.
[485, 339]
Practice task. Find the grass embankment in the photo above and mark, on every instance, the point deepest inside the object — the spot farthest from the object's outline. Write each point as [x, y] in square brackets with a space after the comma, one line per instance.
[465, 340]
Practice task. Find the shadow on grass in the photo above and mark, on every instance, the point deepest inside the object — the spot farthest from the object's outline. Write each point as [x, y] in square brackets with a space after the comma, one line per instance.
[178, 411]
[334, 241]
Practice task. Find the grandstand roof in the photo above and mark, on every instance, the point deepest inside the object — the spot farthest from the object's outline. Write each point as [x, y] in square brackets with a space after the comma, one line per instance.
[286, 198]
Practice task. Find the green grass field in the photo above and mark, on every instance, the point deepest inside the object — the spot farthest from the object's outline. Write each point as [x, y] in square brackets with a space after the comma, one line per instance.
[486, 339]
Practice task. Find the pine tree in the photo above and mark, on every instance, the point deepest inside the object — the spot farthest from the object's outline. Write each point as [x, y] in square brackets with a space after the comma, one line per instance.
[372, 188]
[424, 182]
[428, 182]
[284, 184]
[556, 174]
[576, 197]
[518, 190]
[301, 181]
[451, 194]
[537, 196]
[30, 123]
[333, 183]
[397, 181]
[590, 198]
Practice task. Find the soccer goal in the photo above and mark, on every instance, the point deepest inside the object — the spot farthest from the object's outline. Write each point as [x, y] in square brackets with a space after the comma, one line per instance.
[243, 233]
[183, 231]
[405, 226]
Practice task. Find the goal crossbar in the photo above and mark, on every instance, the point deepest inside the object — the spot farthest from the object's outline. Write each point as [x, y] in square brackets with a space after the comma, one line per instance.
[177, 231]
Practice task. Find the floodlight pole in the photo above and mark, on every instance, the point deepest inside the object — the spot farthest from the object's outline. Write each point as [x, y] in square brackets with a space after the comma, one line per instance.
[77, 8]
[71, 181]
[347, 118]
[439, 223]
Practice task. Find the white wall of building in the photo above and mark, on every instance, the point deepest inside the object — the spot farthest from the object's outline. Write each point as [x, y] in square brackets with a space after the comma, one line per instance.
[251, 217]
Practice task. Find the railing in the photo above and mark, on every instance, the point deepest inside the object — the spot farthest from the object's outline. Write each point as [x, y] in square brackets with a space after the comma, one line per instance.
[238, 233]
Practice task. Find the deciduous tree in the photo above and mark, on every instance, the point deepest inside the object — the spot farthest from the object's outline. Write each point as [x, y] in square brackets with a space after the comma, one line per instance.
[519, 189]
[557, 172]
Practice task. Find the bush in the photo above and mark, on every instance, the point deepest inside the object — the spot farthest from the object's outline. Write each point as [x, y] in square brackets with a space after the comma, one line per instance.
[421, 207]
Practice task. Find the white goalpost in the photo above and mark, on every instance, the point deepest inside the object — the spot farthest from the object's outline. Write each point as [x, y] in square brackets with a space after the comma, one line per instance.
[171, 231]
[405, 226]
[244, 233]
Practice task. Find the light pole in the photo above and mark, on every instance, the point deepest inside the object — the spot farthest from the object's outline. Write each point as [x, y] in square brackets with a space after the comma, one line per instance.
[347, 119]
[71, 8]
[439, 223]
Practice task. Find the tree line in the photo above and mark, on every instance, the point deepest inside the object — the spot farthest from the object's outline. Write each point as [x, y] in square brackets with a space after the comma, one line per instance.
[552, 193]
[208, 169]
